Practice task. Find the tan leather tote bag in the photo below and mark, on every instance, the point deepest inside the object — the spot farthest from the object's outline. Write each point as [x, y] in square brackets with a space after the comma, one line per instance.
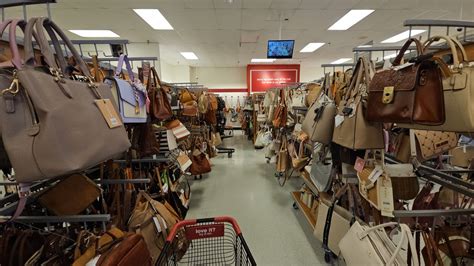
[51, 125]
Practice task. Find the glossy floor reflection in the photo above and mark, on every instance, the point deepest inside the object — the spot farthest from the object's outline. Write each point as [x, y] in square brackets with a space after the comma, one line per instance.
[244, 187]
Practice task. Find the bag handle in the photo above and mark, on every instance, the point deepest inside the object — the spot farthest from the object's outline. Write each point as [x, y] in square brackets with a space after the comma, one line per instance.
[124, 59]
[51, 27]
[401, 53]
[452, 45]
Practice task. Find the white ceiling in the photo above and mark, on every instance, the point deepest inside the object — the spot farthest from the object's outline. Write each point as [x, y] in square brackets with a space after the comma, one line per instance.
[226, 34]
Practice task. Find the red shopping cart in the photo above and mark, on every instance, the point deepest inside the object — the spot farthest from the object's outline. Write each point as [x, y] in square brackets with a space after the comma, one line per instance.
[212, 241]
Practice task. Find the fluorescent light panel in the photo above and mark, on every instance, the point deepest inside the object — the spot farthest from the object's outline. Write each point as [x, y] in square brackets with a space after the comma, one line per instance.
[311, 47]
[154, 18]
[402, 36]
[95, 33]
[189, 55]
[350, 19]
[262, 60]
[341, 60]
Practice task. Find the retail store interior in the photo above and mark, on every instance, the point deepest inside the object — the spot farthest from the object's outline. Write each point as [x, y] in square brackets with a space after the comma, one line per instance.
[237, 132]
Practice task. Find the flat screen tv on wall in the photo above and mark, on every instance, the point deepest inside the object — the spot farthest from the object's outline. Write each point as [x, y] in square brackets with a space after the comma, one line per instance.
[280, 48]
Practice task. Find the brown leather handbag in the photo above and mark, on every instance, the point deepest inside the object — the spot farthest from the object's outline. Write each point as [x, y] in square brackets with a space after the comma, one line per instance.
[280, 115]
[200, 165]
[129, 250]
[70, 196]
[190, 109]
[160, 108]
[409, 93]
[187, 96]
[144, 140]
[47, 119]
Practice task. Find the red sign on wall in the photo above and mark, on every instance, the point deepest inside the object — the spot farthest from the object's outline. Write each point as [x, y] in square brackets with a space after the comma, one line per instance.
[263, 77]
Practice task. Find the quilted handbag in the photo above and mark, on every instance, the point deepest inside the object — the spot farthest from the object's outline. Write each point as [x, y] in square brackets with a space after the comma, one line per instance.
[130, 96]
[352, 130]
[410, 93]
[430, 144]
[364, 245]
[458, 87]
[319, 120]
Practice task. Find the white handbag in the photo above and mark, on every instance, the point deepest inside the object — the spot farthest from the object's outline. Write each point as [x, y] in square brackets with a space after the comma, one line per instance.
[365, 245]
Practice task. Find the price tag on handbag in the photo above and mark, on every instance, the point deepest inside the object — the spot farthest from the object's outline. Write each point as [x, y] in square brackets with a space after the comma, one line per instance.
[375, 174]
[359, 164]
[385, 196]
[157, 223]
[338, 120]
[109, 113]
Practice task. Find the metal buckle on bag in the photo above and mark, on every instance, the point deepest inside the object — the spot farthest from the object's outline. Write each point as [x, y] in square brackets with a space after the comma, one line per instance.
[388, 94]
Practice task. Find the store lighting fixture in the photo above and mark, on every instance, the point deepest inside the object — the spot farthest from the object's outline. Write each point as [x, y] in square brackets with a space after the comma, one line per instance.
[154, 18]
[350, 19]
[95, 33]
[364, 46]
[189, 55]
[341, 61]
[403, 36]
[262, 60]
[311, 47]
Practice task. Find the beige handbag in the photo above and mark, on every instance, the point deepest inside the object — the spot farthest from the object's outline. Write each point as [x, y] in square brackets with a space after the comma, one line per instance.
[462, 156]
[430, 144]
[458, 89]
[282, 157]
[319, 120]
[352, 130]
[314, 91]
[364, 245]
[54, 126]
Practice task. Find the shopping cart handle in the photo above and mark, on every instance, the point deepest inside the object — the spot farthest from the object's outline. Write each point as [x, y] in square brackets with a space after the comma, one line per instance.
[184, 223]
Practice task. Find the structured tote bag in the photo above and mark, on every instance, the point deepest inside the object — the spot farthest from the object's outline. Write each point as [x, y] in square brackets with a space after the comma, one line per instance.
[319, 120]
[130, 96]
[411, 93]
[458, 88]
[321, 170]
[364, 245]
[53, 126]
[160, 107]
[352, 130]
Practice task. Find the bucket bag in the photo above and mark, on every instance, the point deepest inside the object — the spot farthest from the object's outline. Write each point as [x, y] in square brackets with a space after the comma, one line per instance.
[130, 96]
[409, 93]
[47, 119]
[352, 130]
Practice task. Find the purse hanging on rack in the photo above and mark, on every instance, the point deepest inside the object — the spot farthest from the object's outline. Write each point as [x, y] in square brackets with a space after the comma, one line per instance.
[281, 112]
[411, 93]
[160, 107]
[351, 129]
[282, 156]
[130, 96]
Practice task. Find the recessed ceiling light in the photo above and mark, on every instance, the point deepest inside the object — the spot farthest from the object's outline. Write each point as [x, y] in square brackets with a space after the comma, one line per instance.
[189, 55]
[154, 18]
[403, 36]
[364, 46]
[311, 47]
[95, 33]
[393, 55]
[263, 60]
[341, 60]
[350, 19]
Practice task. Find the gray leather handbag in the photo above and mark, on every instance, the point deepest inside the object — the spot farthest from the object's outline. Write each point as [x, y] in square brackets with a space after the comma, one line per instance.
[321, 170]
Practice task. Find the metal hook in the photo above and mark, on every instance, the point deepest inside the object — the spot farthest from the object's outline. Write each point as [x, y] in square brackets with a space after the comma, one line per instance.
[105, 55]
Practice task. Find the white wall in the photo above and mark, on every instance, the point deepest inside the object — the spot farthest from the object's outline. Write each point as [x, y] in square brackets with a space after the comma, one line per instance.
[310, 73]
[174, 73]
[220, 77]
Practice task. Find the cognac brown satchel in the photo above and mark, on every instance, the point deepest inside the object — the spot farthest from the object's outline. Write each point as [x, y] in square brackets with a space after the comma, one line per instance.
[409, 93]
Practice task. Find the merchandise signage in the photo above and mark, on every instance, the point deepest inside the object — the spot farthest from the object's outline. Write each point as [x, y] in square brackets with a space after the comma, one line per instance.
[204, 231]
[263, 77]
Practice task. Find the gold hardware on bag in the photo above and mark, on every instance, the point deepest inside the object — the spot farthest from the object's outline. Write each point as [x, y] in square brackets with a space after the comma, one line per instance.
[387, 95]
[14, 87]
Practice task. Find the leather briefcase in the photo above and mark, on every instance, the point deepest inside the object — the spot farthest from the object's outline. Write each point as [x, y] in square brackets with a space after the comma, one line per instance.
[130, 96]
[409, 93]
[49, 120]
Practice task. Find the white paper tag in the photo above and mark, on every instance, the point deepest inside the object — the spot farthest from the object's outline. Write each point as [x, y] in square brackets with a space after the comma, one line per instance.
[157, 224]
[338, 120]
[375, 174]
[464, 148]
[354, 109]
[386, 197]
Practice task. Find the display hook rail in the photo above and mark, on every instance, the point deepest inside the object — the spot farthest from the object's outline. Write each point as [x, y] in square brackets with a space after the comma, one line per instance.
[334, 66]
[464, 24]
[432, 213]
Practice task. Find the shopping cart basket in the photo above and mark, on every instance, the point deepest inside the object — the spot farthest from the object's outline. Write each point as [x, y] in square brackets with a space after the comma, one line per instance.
[212, 241]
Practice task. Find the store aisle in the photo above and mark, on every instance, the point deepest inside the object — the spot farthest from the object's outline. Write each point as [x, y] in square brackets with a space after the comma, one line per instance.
[244, 187]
